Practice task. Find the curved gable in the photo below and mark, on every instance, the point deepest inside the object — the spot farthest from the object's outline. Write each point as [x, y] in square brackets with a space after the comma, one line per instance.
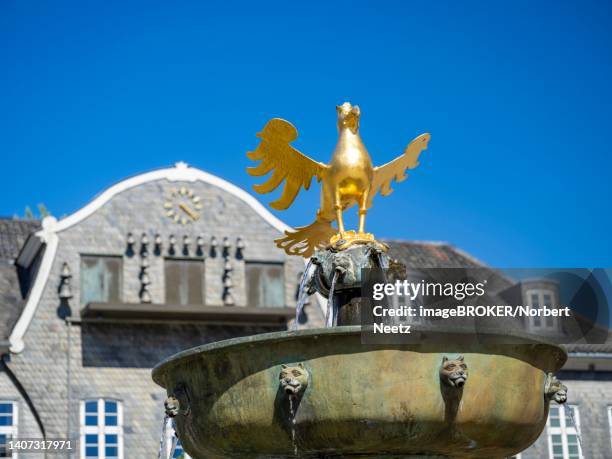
[181, 172]
[137, 205]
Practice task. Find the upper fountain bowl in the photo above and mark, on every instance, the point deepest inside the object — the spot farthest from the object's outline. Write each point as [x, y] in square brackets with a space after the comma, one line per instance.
[322, 393]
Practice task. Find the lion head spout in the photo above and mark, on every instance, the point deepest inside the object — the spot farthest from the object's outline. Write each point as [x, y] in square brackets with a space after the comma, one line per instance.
[555, 389]
[453, 372]
[293, 379]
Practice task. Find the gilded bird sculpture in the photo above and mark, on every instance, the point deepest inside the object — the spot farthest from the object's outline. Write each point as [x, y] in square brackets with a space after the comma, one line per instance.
[349, 179]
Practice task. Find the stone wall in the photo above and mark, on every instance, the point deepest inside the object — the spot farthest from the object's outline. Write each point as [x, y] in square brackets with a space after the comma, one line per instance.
[63, 362]
[592, 394]
[27, 427]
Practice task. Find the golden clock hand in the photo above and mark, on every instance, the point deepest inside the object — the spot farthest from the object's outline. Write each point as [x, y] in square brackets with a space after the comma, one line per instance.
[188, 211]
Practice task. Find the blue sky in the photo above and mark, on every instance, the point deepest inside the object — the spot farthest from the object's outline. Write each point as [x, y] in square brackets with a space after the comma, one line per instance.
[517, 97]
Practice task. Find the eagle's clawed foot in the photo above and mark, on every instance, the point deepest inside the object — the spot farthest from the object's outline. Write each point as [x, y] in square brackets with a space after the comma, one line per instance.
[346, 239]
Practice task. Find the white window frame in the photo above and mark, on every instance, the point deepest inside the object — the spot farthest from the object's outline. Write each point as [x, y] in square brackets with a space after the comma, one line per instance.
[170, 433]
[540, 292]
[12, 429]
[101, 429]
[563, 430]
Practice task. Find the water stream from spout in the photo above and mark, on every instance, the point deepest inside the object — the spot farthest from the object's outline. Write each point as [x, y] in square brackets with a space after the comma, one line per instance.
[330, 319]
[292, 426]
[383, 260]
[302, 296]
[164, 436]
[578, 434]
[173, 445]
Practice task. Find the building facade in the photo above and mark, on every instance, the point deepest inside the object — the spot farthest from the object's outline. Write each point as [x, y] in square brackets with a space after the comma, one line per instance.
[165, 261]
[155, 264]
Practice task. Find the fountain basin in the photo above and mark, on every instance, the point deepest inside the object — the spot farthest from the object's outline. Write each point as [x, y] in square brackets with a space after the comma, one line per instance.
[359, 400]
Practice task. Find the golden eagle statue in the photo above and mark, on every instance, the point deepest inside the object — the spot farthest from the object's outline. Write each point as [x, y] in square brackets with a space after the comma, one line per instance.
[348, 179]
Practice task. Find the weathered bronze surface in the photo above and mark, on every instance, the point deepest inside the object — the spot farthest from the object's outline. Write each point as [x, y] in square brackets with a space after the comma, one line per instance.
[349, 179]
[349, 264]
[360, 400]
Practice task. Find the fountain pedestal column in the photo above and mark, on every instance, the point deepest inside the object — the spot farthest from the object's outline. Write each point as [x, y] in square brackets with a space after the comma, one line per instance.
[339, 277]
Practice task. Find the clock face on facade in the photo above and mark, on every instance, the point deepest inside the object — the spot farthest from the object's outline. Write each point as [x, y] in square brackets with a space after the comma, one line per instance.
[182, 205]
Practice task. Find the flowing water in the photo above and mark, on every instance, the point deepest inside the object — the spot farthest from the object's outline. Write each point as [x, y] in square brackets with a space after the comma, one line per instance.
[302, 293]
[164, 436]
[383, 260]
[578, 434]
[173, 445]
[331, 319]
[292, 422]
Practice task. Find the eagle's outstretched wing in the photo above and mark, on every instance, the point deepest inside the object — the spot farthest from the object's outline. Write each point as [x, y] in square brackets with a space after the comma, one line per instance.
[304, 240]
[289, 164]
[396, 169]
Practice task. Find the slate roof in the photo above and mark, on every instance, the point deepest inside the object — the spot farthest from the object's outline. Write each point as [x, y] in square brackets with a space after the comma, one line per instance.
[11, 302]
[430, 255]
[443, 255]
[603, 336]
[13, 233]
[605, 348]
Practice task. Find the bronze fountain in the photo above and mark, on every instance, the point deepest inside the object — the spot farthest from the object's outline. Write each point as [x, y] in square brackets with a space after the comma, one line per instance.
[322, 393]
